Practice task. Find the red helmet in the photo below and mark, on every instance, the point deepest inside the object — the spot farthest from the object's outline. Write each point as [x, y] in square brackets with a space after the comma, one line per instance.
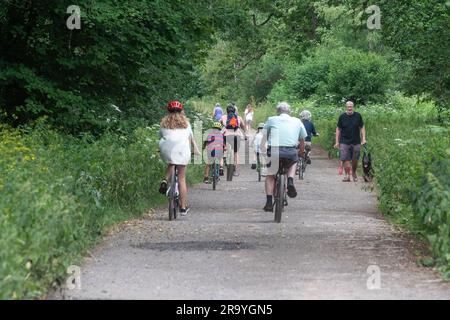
[174, 106]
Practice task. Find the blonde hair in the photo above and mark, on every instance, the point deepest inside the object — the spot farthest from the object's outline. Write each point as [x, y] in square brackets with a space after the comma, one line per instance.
[175, 120]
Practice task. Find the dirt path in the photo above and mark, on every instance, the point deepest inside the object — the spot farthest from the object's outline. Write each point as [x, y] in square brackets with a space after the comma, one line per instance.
[228, 248]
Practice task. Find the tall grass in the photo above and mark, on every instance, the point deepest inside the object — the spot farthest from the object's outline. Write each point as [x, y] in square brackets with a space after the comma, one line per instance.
[59, 194]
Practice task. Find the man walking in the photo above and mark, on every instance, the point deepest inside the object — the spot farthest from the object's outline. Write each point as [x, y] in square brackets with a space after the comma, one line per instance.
[350, 135]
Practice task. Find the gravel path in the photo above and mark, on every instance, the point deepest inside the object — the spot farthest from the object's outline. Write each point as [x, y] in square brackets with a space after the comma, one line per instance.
[228, 248]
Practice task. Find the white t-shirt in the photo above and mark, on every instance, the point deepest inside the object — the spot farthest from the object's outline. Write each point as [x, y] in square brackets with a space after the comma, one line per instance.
[257, 141]
[249, 116]
[175, 145]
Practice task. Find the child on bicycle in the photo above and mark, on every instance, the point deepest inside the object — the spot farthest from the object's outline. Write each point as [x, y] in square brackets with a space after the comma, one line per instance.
[258, 152]
[175, 147]
[214, 146]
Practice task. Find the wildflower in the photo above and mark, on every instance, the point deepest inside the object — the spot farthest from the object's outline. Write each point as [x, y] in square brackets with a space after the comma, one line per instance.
[116, 108]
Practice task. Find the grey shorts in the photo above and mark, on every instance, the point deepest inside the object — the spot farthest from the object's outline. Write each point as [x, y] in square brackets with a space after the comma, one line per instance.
[348, 152]
[288, 156]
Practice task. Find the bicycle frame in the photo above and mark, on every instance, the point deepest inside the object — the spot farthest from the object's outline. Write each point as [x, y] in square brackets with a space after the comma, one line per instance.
[173, 195]
[214, 172]
[280, 191]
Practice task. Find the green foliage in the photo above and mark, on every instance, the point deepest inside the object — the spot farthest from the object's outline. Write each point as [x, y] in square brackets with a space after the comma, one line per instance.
[336, 74]
[58, 195]
[136, 55]
[433, 206]
[418, 31]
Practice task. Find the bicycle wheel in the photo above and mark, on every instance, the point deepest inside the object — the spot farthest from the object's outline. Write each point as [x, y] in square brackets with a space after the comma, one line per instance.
[215, 175]
[279, 203]
[172, 197]
[230, 171]
[301, 169]
[258, 167]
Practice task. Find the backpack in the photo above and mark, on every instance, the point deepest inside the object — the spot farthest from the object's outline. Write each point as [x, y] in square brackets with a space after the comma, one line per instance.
[232, 121]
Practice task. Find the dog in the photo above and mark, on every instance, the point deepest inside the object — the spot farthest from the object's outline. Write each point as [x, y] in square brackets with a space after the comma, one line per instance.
[367, 166]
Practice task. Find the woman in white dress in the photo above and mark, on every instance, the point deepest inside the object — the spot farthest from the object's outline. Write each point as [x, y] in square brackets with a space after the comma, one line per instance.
[175, 147]
[248, 118]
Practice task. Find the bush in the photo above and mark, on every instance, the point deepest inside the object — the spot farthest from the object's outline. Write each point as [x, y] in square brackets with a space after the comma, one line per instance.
[59, 194]
[336, 74]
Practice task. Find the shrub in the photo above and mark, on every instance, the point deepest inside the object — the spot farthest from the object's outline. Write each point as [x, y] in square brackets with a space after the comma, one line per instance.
[58, 195]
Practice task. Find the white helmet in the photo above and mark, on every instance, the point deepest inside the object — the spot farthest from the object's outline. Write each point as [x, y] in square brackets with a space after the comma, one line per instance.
[305, 115]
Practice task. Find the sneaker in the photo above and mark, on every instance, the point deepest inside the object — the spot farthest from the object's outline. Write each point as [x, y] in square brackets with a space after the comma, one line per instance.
[221, 171]
[292, 193]
[235, 173]
[184, 211]
[205, 180]
[285, 203]
[253, 166]
[163, 187]
[268, 207]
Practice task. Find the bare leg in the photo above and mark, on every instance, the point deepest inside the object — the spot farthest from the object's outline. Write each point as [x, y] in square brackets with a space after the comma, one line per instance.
[291, 171]
[347, 169]
[354, 167]
[270, 185]
[182, 185]
[169, 171]
[206, 171]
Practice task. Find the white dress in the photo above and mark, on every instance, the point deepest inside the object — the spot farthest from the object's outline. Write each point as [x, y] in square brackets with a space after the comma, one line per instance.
[175, 145]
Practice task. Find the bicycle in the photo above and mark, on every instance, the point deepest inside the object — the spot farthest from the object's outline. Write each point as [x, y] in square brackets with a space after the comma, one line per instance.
[214, 172]
[258, 166]
[280, 189]
[302, 162]
[173, 195]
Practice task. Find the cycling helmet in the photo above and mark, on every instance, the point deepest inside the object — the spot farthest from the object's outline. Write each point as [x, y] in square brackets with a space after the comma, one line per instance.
[216, 125]
[174, 106]
[305, 115]
[231, 109]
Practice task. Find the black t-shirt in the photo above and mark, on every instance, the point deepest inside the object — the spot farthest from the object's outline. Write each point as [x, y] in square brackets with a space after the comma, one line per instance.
[350, 126]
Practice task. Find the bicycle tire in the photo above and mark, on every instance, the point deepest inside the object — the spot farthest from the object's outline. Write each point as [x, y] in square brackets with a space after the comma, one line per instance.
[230, 172]
[215, 172]
[258, 168]
[279, 204]
[172, 197]
[300, 169]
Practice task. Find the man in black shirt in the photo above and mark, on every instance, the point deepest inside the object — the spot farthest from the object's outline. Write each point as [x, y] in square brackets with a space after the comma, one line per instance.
[350, 135]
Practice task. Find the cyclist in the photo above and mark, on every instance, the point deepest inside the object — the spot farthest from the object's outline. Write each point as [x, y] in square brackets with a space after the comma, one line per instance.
[218, 112]
[214, 146]
[258, 151]
[305, 116]
[285, 138]
[175, 147]
[234, 127]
